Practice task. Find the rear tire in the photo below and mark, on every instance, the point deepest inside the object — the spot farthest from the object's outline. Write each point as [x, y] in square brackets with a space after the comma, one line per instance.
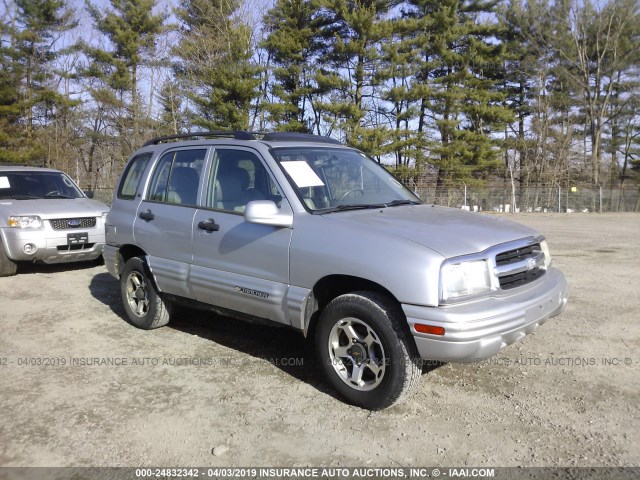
[7, 266]
[365, 352]
[142, 302]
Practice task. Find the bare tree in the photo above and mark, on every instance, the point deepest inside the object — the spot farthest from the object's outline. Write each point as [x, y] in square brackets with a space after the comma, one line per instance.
[595, 49]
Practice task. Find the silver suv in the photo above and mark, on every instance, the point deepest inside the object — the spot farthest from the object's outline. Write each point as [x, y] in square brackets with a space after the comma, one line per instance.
[303, 231]
[45, 217]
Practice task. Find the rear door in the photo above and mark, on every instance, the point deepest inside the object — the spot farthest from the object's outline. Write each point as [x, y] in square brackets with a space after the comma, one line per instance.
[164, 223]
[125, 205]
[239, 265]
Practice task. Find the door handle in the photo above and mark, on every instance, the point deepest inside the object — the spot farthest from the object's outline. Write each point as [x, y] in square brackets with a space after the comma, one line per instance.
[209, 225]
[147, 216]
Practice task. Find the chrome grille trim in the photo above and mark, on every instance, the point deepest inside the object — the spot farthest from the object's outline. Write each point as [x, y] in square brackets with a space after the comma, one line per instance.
[510, 256]
[63, 223]
[519, 266]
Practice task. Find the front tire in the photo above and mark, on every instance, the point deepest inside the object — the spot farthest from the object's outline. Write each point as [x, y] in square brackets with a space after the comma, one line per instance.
[7, 266]
[144, 306]
[365, 352]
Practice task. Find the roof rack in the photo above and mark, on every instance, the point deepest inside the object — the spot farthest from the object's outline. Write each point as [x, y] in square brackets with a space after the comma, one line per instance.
[237, 134]
[298, 137]
[242, 135]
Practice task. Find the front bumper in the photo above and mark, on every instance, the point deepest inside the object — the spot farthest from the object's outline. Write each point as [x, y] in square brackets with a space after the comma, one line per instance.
[51, 246]
[479, 329]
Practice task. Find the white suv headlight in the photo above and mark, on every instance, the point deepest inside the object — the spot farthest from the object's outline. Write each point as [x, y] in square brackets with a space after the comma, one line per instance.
[463, 278]
[32, 221]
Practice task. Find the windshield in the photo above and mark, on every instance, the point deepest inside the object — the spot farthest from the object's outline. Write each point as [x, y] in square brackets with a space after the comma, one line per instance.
[30, 185]
[332, 179]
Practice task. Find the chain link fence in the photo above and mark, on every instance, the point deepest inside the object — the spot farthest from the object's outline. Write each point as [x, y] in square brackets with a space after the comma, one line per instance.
[532, 199]
[504, 199]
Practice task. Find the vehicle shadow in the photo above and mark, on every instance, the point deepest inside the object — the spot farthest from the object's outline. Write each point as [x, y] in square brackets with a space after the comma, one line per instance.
[26, 268]
[105, 288]
[282, 347]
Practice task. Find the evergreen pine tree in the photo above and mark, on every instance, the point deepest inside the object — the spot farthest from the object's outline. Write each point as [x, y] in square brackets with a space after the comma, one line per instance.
[11, 132]
[216, 64]
[401, 92]
[28, 97]
[290, 47]
[350, 32]
[461, 65]
[132, 28]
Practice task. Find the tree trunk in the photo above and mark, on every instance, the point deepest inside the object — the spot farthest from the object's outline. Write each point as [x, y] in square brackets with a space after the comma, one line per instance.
[134, 106]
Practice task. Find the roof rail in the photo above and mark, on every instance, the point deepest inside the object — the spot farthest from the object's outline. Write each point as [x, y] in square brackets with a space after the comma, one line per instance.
[237, 134]
[298, 137]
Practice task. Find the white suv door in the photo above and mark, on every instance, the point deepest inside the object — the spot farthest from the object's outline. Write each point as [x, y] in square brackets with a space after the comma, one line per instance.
[164, 221]
[239, 265]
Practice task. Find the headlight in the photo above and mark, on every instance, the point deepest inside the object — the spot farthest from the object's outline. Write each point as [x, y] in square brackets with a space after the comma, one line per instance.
[464, 278]
[547, 254]
[32, 221]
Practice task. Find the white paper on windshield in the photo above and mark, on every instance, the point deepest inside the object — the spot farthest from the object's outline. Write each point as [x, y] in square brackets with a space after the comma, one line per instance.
[302, 174]
[4, 182]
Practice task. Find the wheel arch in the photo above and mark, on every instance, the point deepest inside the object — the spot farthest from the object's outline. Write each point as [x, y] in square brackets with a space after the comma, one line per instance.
[4, 243]
[8, 267]
[144, 305]
[332, 286]
[125, 252]
[367, 329]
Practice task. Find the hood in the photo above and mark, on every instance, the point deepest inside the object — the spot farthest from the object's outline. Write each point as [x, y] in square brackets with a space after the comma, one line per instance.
[448, 231]
[47, 208]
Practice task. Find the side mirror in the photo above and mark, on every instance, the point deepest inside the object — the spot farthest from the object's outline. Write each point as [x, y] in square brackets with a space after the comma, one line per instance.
[88, 193]
[266, 212]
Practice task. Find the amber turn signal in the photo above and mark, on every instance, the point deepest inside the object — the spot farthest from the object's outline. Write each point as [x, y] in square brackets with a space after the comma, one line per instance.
[420, 328]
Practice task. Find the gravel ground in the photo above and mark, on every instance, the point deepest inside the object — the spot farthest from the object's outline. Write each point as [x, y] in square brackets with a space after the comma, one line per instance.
[211, 391]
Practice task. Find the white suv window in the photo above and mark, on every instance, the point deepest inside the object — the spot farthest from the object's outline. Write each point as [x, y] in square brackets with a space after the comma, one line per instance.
[131, 177]
[176, 177]
[238, 177]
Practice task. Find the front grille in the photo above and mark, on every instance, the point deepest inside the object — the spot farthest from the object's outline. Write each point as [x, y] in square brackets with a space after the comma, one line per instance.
[522, 273]
[519, 279]
[516, 255]
[71, 223]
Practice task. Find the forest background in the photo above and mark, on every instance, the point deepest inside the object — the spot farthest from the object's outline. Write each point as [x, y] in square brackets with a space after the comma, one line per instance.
[530, 97]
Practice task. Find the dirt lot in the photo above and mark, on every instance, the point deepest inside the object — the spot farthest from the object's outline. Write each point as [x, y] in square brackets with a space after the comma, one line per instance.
[568, 395]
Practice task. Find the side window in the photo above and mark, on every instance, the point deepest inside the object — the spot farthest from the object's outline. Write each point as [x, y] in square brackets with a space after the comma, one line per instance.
[160, 180]
[132, 175]
[238, 177]
[176, 177]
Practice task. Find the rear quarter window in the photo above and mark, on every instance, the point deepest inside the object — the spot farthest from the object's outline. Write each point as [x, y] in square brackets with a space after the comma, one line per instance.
[132, 176]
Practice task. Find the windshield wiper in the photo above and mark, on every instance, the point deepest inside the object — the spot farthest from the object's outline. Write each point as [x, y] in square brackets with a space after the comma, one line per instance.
[358, 206]
[395, 203]
[365, 206]
[351, 206]
[57, 195]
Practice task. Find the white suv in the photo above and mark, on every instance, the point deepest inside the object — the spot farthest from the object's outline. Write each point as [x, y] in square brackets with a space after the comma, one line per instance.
[45, 217]
[303, 231]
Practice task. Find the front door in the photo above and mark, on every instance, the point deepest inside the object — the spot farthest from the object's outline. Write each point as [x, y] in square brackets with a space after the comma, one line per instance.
[239, 265]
